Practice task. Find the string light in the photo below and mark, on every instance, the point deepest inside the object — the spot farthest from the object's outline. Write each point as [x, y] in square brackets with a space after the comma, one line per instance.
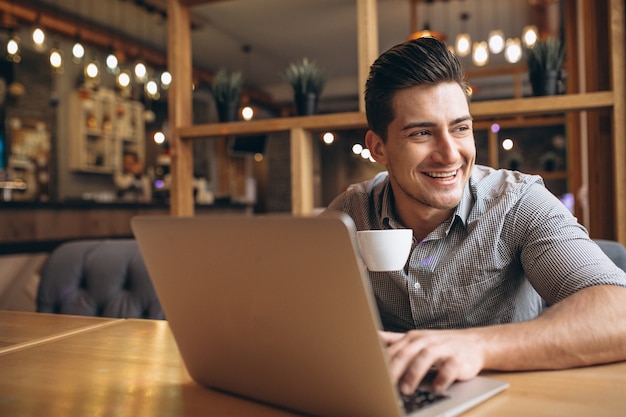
[480, 54]
[529, 36]
[39, 39]
[166, 79]
[78, 51]
[247, 113]
[513, 50]
[496, 41]
[112, 63]
[159, 137]
[123, 79]
[141, 72]
[13, 48]
[463, 42]
[92, 70]
[56, 59]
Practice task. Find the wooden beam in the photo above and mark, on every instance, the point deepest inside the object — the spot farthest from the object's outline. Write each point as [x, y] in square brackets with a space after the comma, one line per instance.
[301, 172]
[333, 121]
[180, 108]
[543, 105]
[367, 40]
[618, 81]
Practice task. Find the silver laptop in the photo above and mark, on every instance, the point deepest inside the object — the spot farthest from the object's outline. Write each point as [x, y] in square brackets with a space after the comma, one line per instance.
[278, 309]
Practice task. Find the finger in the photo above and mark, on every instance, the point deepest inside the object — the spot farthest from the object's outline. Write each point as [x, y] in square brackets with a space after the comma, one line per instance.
[390, 337]
[414, 375]
[445, 377]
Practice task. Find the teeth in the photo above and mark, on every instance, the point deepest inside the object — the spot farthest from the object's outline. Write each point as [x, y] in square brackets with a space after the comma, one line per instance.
[441, 174]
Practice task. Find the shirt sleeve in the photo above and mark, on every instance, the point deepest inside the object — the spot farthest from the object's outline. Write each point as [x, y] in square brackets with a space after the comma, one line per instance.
[556, 252]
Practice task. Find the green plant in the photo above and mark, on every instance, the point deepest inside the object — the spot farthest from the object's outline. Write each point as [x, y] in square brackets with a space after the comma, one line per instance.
[545, 55]
[226, 86]
[305, 77]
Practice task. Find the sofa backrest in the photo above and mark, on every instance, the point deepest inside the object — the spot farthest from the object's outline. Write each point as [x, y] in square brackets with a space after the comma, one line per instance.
[105, 278]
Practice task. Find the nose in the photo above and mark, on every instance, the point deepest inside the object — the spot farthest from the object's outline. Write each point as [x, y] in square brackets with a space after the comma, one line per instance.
[446, 149]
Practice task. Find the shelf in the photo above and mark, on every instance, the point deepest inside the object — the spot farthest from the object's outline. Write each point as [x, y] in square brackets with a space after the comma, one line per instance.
[352, 120]
[356, 120]
[542, 105]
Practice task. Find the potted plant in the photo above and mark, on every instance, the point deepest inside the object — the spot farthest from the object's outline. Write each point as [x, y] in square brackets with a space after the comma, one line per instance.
[544, 61]
[307, 80]
[226, 88]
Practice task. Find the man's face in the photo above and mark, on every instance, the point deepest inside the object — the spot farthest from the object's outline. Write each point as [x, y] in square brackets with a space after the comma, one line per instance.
[430, 151]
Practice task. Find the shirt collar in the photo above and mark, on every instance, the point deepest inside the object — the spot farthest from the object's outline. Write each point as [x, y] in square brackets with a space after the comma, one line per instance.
[461, 212]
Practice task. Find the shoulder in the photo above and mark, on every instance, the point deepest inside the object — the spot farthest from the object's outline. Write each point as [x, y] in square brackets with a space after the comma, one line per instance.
[360, 193]
[490, 183]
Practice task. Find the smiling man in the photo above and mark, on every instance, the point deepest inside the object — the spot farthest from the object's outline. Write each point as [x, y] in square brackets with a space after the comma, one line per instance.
[490, 249]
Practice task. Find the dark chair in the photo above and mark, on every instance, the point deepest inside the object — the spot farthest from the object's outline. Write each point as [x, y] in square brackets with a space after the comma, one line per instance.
[105, 278]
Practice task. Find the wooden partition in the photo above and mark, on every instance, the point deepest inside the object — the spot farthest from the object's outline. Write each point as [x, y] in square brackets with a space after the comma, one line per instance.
[606, 170]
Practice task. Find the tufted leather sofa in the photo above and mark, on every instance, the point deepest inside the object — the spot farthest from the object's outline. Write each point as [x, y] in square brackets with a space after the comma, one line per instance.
[105, 278]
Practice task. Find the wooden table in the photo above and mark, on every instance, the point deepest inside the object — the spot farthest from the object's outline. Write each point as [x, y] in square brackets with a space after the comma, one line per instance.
[79, 366]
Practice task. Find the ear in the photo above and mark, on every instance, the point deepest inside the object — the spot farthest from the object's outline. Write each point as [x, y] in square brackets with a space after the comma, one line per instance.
[376, 147]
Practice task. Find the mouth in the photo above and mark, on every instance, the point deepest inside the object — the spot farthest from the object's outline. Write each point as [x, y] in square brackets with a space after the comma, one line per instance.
[447, 175]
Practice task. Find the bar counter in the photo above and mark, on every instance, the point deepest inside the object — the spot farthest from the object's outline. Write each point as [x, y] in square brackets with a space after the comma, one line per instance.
[36, 226]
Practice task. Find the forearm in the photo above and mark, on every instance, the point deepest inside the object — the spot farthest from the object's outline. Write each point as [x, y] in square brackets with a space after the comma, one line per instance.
[586, 328]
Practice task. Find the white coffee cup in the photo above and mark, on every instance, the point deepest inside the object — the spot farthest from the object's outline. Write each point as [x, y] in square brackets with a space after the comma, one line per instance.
[385, 250]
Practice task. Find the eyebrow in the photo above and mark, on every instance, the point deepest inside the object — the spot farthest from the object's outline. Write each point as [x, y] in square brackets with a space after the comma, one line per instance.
[431, 124]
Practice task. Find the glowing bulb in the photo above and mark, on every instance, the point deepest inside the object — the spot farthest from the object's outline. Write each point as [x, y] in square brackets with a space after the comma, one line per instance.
[78, 51]
[152, 88]
[328, 138]
[357, 148]
[141, 71]
[12, 47]
[39, 37]
[92, 70]
[529, 35]
[166, 78]
[111, 61]
[365, 154]
[496, 41]
[247, 113]
[507, 144]
[463, 44]
[56, 60]
[480, 56]
[513, 50]
[159, 137]
[123, 79]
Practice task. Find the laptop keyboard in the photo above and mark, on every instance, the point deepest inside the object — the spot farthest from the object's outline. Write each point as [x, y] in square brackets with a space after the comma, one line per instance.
[420, 399]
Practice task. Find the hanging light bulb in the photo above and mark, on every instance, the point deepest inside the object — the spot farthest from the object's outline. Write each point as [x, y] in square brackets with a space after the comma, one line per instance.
[166, 79]
[496, 41]
[463, 43]
[92, 70]
[247, 113]
[513, 50]
[152, 89]
[13, 48]
[480, 53]
[112, 62]
[141, 72]
[39, 39]
[56, 60]
[530, 36]
[123, 79]
[159, 137]
[78, 51]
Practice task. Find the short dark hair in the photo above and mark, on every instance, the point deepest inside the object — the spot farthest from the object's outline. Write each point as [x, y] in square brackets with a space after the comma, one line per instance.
[409, 64]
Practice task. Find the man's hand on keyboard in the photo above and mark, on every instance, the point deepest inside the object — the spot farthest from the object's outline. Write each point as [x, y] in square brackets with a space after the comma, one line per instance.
[454, 353]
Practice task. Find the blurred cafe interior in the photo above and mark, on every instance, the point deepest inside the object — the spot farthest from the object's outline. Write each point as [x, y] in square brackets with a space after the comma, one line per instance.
[108, 108]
